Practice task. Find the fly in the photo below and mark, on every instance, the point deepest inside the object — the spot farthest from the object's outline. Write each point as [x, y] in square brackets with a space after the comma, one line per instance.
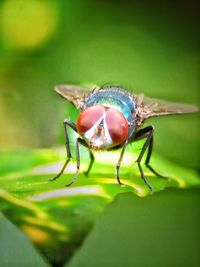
[111, 118]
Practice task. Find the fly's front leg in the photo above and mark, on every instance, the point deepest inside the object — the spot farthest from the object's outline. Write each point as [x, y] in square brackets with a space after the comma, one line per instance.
[72, 125]
[91, 162]
[77, 162]
[119, 162]
[83, 142]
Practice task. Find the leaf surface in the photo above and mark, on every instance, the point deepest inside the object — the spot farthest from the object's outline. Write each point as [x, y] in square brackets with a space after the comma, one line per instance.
[57, 218]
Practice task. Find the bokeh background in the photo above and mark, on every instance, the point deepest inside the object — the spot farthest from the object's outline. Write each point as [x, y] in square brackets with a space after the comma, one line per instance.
[146, 46]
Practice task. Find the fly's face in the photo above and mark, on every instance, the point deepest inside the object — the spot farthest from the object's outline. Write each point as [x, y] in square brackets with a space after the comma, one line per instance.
[102, 127]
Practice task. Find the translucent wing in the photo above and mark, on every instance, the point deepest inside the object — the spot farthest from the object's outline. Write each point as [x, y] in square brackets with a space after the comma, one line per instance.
[151, 107]
[74, 94]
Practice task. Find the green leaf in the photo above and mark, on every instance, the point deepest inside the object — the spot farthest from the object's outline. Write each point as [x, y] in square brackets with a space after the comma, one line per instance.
[57, 218]
[16, 249]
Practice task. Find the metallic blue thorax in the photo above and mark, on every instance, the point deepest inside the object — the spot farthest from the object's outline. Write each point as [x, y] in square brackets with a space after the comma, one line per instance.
[114, 97]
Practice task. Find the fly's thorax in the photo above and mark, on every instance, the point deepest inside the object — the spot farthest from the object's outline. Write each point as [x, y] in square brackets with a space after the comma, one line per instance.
[114, 97]
[102, 127]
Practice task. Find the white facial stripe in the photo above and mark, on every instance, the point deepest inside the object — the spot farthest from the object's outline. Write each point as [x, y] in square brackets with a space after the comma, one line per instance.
[98, 141]
[88, 135]
[107, 135]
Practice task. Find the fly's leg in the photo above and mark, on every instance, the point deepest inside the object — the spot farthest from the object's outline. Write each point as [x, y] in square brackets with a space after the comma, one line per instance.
[91, 162]
[69, 156]
[119, 162]
[82, 142]
[148, 134]
[150, 148]
[77, 162]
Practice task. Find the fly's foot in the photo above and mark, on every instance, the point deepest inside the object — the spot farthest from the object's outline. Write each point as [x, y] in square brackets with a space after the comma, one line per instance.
[86, 173]
[119, 182]
[54, 178]
[156, 173]
[144, 178]
[67, 185]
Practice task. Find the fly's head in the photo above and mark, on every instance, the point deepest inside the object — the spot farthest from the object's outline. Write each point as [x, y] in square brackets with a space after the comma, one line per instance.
[102, 127]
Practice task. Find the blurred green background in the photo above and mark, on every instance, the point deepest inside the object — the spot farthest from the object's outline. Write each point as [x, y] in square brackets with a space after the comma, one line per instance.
[146, 46]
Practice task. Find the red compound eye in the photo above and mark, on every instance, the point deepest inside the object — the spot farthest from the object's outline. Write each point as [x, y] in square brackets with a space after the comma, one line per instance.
[117, 126]
[89, 117]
